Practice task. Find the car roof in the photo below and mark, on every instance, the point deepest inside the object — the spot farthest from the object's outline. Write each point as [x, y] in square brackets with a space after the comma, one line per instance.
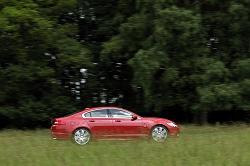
[103, 107]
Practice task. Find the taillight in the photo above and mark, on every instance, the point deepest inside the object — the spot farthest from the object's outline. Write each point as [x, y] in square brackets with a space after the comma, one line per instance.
[58, 122]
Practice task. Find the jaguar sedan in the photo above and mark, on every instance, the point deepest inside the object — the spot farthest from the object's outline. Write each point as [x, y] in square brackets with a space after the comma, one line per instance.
[111, 123]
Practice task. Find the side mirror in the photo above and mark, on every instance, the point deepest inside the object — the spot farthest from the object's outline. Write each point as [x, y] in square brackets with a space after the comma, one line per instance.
[134, 117]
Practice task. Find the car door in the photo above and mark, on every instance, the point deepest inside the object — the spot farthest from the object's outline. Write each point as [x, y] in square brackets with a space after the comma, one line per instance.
[124, 126]
[100, 123]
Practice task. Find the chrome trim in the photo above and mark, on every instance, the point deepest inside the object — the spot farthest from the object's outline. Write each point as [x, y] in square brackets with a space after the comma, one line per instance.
[138, 117]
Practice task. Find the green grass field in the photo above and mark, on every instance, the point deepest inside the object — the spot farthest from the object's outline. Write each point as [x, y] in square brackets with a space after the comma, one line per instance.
[197, 146]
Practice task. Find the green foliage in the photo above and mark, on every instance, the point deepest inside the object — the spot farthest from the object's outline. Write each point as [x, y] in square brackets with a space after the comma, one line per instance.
[142, 55]
[183, 57]
[155, 44]
[36, 52]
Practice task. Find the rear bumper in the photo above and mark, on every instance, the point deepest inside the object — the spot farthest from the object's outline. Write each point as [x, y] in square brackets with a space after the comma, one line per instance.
[59, 133]
[56, 135]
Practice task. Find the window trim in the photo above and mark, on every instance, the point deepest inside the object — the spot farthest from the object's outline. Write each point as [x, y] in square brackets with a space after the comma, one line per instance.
[83, 115]
[109, 113]
[120, 110]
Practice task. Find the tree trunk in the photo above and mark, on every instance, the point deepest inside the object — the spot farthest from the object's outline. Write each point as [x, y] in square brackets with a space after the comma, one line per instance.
[203, 118]
[196, 118]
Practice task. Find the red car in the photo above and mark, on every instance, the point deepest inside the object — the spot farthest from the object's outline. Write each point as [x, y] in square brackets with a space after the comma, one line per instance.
[111, 123]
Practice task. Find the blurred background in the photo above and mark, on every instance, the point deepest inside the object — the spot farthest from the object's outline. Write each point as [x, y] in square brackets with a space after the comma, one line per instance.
[186, 60]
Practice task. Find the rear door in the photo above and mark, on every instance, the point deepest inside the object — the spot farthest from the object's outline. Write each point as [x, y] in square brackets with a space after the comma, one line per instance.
[100, 123]
[124, 126]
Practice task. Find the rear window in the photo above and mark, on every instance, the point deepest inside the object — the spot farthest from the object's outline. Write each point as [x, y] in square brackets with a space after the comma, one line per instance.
[87, 114]
[103, 113]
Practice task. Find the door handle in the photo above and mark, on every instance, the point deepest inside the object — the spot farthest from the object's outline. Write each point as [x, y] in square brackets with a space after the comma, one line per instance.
[117, 120]
[91, 121]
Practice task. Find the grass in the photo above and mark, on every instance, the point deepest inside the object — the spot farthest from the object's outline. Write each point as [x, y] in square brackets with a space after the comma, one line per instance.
[197, 146]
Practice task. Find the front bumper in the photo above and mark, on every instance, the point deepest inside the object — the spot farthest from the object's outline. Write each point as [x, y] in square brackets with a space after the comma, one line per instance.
[174, 132]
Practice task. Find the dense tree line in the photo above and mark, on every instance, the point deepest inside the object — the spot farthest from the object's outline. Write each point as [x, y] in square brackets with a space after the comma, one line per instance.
[186, 59]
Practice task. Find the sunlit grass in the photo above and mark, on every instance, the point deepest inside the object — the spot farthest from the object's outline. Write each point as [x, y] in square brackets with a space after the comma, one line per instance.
[197, 146]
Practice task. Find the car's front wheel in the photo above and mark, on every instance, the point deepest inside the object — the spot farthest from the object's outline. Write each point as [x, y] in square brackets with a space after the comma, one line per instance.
[159, 133]
[81, 136]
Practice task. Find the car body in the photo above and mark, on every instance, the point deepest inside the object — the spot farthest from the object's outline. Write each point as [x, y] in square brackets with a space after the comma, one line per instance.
[111, 123]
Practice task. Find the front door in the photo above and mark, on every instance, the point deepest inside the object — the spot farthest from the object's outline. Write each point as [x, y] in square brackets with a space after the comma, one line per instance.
[101, 125]
[124, 126]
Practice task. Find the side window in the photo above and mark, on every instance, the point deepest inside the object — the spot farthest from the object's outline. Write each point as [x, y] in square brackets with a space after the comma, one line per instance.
[87, 114]
[120, 113]
[99, 113]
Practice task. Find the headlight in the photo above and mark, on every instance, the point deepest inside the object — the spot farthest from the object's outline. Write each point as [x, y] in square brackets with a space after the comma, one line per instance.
[172, 124]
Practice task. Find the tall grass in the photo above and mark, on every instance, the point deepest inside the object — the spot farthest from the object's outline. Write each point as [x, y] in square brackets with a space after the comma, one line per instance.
[197, 146]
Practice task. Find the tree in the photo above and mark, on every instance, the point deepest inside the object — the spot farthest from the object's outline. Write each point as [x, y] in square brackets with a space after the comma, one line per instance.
[108, 81]
[160, 43]
[39, 60]
[220, 82]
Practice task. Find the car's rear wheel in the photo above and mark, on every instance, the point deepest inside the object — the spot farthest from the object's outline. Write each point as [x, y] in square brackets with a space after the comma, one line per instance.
[81, 136]
[159, 133]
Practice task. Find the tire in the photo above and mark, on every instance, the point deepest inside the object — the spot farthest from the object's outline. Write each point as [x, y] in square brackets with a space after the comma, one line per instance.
[81, 136]
[159, 133]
